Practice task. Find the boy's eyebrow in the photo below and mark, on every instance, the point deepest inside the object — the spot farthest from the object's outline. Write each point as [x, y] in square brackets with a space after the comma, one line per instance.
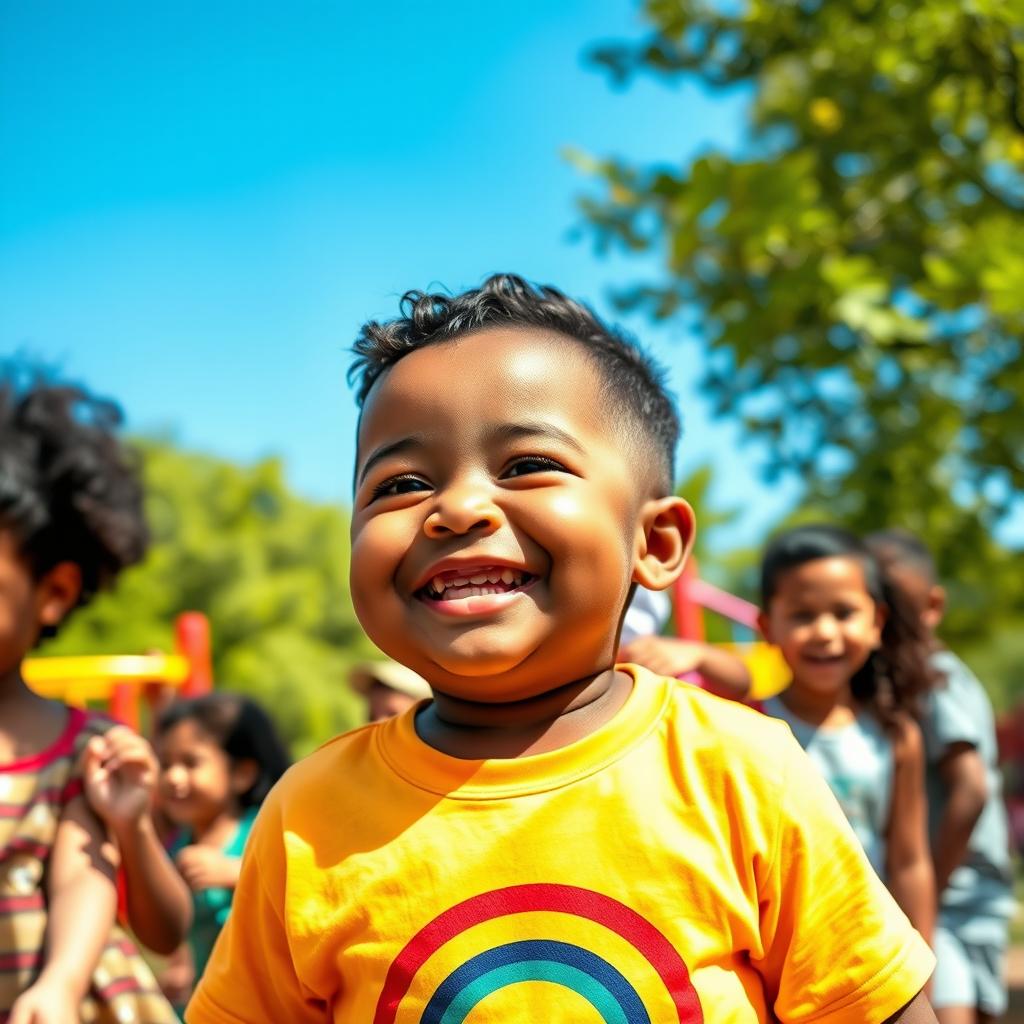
[535, 428]
[404, 444]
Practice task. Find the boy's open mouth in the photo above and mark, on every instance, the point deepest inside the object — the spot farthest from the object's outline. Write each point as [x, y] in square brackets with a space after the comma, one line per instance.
[480, 581]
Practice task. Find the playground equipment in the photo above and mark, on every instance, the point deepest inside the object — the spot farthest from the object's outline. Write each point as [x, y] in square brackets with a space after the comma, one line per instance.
[692, 596]
[122, 683]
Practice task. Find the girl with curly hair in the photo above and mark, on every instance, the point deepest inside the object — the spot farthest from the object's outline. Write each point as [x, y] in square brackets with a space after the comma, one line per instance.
[70, 520]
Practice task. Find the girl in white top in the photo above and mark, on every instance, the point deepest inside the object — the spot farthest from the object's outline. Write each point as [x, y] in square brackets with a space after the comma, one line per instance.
[859, 662]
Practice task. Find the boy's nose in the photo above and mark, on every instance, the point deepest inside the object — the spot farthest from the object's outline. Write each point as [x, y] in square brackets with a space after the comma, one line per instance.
[462, 510]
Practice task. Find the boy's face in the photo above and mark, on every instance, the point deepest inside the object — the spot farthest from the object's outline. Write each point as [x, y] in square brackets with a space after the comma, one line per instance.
[496, 522]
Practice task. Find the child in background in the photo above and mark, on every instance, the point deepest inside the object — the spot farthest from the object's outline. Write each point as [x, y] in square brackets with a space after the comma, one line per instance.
[859, 664]
[387, 688]
[220, 755]
[70, 520]
[969, 833]
[552, 837]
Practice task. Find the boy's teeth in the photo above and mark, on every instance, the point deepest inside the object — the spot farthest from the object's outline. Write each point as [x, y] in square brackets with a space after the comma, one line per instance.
[493, 581]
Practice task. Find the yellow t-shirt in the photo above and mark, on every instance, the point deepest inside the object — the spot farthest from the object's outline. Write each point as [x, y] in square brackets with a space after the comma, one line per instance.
[684, 863]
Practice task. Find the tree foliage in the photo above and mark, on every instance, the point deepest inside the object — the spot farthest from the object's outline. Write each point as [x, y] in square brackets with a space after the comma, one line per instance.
[858, 270]
[268, 568]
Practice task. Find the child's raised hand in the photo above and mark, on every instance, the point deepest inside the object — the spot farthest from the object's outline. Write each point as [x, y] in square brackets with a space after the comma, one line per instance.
[121, 773]
[45, 1002]
[664, 655]
[205, 867]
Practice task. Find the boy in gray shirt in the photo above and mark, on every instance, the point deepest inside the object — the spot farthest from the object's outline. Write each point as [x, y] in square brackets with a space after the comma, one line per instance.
[967, 819]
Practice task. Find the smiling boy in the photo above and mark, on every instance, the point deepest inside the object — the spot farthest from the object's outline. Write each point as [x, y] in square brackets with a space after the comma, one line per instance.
[552, 837]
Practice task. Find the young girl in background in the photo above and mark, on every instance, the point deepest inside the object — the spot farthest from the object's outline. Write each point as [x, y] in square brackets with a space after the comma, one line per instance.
[70, 521]
[859, 662]
[219, 757]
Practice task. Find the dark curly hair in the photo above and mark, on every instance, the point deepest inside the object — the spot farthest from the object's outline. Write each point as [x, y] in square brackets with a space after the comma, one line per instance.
[69, 489]
[242, 729]
[898, 674]
[633, 383]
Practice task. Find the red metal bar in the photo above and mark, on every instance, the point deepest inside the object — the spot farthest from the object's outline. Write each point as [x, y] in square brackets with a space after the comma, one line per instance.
[192, 640]
[729, 606]
[124, 704]
[689, 614]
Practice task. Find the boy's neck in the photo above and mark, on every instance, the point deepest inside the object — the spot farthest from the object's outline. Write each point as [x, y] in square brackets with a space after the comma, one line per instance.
[473, 730]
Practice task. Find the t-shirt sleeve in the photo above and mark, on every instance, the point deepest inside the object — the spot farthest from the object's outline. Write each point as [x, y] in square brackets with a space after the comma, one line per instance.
[948, 719]
[837, 948]
[251, 974]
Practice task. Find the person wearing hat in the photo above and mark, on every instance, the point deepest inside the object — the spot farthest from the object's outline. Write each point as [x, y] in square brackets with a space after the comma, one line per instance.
[388, 687]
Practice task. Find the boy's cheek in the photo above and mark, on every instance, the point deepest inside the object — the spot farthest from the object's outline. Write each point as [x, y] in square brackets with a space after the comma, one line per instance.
[373, 560]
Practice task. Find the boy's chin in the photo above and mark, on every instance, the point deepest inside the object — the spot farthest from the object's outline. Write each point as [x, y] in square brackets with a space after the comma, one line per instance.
[476, 678]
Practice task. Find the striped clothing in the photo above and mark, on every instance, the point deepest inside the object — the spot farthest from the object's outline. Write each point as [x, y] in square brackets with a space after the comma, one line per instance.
[33, 794]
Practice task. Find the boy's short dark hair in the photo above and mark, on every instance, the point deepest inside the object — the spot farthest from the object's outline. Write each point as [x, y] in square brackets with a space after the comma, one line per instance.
[896, 546]
[633, 383]
[69, 491]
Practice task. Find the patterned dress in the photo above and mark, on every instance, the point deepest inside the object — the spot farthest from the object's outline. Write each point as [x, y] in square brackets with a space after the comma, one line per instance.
[33, 794]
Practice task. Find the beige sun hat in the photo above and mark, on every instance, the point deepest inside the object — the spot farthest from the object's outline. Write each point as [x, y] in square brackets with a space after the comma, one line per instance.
[392, 675]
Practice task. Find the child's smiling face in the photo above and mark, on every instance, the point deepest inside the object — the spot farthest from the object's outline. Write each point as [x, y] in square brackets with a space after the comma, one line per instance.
[497, 522]
[824, 621]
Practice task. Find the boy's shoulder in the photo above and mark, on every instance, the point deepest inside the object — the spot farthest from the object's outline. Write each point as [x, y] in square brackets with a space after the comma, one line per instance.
[739, 738]
[716, 718]
[956, 675]
[959, 692]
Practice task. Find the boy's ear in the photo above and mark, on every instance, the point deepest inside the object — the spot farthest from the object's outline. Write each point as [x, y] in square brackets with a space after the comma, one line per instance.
[764, 625]
[57, 592]
[935, 609]
[664, 538]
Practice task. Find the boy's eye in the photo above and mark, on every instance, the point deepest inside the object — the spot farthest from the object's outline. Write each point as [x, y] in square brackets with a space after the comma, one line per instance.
[533, 464]
[399, 485]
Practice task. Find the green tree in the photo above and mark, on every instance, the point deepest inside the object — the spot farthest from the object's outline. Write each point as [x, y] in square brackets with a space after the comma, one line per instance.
[857, 271]
[268, 568]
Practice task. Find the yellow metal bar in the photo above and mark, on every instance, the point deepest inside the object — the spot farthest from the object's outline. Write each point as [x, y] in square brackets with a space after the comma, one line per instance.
[769, 673]
[80, 679]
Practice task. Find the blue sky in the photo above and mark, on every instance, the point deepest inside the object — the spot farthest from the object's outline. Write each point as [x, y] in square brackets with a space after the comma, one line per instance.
[200, 203]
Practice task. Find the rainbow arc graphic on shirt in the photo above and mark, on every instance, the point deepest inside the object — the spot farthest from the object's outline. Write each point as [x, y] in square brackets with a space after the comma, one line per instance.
[653, 974]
